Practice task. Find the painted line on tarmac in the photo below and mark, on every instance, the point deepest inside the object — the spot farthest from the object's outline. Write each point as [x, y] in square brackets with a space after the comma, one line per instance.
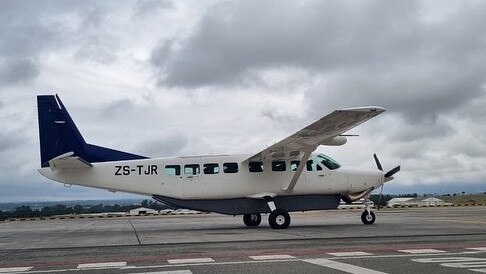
[134, 267]
[421, 251]
[346, 254]
[406, 255]
[349, 268]
[472, 264]
[167, 272]
[102, 265]
[15, 269]
[191, 260]
[272, 257]
[477, 248]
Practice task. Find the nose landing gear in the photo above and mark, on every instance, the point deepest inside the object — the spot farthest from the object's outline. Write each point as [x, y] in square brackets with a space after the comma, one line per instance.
[368, 217]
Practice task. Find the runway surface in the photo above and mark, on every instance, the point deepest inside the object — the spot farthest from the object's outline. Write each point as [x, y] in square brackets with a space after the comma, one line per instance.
[433, 240]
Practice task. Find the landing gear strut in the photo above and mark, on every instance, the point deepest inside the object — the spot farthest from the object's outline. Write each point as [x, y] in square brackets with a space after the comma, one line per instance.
[252, 219]
[368, 217]
[279, 218]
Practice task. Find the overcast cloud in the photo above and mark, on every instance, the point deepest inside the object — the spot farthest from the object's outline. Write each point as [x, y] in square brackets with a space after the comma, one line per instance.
[163, 78]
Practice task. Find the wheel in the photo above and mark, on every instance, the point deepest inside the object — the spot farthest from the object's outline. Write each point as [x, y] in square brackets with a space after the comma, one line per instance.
[279, 219]
[368, 218]
[252, 219]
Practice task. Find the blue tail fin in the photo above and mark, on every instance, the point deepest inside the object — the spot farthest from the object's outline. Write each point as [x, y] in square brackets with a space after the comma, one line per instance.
[58, 135]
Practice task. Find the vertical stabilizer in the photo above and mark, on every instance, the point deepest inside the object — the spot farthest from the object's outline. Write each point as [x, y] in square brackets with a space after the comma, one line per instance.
[59, 135]
[57, 132]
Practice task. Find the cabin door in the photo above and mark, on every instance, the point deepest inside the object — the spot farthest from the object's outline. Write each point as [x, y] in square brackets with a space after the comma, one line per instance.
[192, 183]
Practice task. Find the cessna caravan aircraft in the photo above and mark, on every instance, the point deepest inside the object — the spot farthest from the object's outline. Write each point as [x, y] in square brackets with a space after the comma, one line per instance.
[287, 176]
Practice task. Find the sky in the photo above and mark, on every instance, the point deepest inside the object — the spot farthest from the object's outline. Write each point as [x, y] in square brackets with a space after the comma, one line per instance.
[168, 78]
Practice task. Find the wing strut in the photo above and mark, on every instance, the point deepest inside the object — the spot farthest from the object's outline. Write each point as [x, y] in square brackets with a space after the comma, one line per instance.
[298, 172]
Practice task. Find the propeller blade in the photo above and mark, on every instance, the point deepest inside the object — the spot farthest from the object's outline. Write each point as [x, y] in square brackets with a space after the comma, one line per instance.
[393, 171]
[378, 164]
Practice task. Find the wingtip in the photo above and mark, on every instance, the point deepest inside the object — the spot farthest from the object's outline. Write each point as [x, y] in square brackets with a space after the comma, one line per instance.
[365, 109]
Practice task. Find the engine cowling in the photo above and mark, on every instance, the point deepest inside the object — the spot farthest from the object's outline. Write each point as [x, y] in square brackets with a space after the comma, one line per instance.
[351, 197]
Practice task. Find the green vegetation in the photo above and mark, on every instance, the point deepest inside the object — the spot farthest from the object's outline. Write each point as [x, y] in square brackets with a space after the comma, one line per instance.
[464, 198]
[47, 211]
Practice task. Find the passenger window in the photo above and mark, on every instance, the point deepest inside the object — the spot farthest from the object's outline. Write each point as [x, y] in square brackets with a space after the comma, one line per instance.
[230, 167]
[255, 166]
[191, 169]
[278, 166]
[212, 168]
[294, 165]
[313, 166]
[172, 170]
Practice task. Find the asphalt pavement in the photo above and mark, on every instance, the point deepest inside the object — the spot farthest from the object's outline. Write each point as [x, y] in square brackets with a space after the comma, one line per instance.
[409, 240]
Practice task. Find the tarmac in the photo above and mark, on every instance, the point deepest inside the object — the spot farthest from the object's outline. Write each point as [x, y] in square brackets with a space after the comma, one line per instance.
[406, 240]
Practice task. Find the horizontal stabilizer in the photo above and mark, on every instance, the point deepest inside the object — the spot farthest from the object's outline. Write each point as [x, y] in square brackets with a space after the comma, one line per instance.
[67, 160]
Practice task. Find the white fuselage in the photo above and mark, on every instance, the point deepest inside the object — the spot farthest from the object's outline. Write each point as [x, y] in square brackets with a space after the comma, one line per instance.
[151, 177]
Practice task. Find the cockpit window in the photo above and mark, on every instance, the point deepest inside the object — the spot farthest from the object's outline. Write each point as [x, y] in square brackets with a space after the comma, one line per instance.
[328, 161]
[313, 166]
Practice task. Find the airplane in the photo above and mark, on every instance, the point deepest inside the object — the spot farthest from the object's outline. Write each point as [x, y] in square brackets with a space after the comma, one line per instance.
[287, 176]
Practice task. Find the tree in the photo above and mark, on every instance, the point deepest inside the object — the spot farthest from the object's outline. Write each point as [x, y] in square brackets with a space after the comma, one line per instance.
[46, 211]
[23, 211]
[78, 209]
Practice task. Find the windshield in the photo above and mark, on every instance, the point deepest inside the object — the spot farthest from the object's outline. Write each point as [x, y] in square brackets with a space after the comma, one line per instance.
[328, 161]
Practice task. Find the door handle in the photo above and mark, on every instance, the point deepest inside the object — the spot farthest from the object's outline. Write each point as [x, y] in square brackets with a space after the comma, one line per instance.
[322, 175]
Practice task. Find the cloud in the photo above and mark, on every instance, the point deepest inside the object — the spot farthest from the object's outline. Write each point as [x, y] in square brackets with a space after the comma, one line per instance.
[166, 144]
[18, 71]
[162, 78]
[389, 53]
[149, 7]
[11, 139]
[23, 39]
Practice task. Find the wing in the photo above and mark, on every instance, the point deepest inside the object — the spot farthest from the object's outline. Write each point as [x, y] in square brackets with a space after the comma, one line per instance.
[325, 131]
[67, 160]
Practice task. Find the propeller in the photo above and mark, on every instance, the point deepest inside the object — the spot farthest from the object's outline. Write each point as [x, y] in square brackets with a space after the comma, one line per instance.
[388, 176]
[391, 172]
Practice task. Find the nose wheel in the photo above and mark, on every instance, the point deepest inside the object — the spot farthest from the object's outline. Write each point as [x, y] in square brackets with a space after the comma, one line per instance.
[368, 217]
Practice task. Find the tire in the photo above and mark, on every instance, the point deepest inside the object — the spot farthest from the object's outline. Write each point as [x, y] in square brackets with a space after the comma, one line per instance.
[251, 220]
[368, 219]
[279, 219]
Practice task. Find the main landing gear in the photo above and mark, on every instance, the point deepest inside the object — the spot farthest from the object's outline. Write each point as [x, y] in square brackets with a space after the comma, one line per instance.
[368, 217]
[252, 219]
[278, 218]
